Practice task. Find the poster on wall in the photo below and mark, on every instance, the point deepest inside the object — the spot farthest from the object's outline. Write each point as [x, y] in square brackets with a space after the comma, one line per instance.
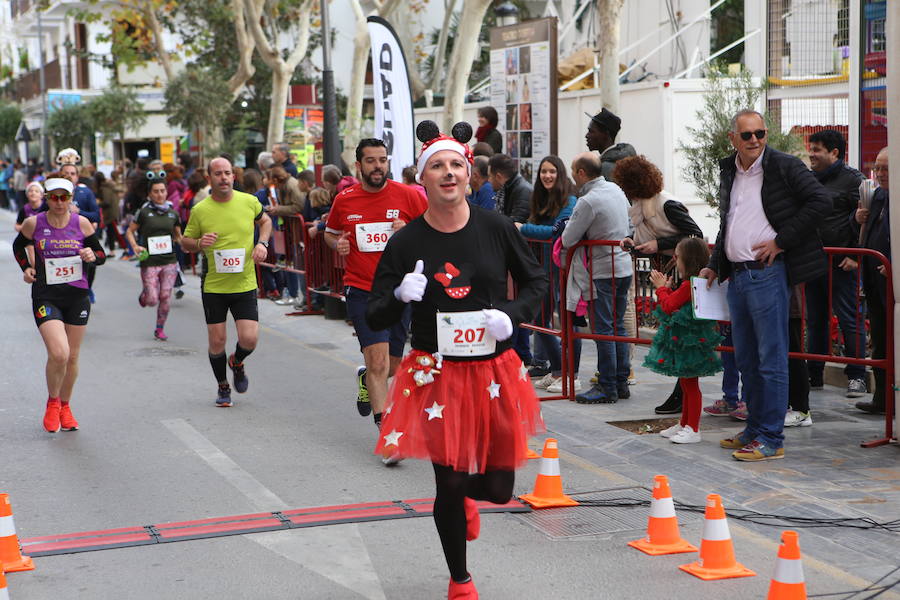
[303, 127]
[524, 90]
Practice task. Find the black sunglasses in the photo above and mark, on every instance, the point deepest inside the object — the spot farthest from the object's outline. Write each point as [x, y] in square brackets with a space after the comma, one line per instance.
[759, 133]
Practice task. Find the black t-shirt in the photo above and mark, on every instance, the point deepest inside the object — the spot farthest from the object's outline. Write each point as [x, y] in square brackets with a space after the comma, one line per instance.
[156, 222]
[20, 218]
[466, 270]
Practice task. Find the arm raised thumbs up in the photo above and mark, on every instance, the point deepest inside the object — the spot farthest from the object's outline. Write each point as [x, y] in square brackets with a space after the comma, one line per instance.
[343, 244]
[412, 288]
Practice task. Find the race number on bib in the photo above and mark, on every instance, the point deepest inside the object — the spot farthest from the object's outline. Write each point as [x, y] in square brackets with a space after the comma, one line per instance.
[63, 270]
[373, 237]
[161, 244]
[464, 334]
[230, 261]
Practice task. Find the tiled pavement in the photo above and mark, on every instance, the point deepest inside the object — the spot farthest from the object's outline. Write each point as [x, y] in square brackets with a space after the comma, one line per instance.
[825, 472]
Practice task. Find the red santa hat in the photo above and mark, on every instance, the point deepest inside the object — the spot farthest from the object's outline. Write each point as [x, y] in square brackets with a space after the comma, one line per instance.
[433, 141]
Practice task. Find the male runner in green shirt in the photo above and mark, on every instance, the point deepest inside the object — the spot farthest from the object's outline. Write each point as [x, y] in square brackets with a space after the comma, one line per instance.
[222, 226]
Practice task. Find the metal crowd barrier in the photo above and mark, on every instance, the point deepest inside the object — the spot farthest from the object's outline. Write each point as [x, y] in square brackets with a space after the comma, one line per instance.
[321, 267]
[645, 302]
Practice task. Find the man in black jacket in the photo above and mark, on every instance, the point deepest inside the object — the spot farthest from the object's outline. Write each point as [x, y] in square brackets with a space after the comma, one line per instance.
[512, 193]
[826, 157]
[770, 206]
[876, 235]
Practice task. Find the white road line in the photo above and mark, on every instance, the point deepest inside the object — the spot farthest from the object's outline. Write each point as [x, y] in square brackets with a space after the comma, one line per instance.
[262, 497]
[336, 551]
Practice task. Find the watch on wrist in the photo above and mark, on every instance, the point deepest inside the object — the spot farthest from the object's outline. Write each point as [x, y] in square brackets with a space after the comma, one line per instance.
[264, 243]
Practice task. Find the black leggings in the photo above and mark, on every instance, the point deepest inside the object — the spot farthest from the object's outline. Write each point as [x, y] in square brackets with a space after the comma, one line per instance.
[112, 235]
[450, 514]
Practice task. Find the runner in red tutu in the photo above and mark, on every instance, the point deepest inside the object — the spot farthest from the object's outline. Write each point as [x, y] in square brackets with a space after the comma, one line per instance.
[461, 398]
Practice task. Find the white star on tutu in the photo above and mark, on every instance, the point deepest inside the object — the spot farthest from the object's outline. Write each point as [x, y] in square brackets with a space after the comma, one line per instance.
[393, 438]
[494, 389]
[523, 372]
[436, 411]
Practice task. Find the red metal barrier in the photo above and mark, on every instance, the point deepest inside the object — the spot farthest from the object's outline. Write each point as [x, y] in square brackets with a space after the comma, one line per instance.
[306, 256]
[546, 321]
[644, 303]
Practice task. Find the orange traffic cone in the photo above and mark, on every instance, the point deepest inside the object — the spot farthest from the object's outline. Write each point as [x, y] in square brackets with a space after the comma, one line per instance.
[10, 553]
[787, 583]
[4, 593]
[716, 551]
[548, 490]
[529, 453]
[662, 525]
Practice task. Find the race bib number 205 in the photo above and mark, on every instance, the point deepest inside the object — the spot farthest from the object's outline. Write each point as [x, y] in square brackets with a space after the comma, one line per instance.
[230, 261]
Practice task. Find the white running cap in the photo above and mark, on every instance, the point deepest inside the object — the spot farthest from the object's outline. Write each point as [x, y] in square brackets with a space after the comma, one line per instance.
[58, 183]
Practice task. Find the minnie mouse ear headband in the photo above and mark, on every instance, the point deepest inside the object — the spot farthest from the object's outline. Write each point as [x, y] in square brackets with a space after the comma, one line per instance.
[68, 156]
[433, 141]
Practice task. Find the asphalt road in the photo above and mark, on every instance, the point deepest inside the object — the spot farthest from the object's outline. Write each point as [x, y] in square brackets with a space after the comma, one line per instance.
[153, 449]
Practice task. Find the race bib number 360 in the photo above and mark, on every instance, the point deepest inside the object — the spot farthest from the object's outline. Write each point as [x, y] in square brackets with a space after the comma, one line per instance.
[230, 261]
[63, 270]
[464, 334]
[161, 244]
[373, 237]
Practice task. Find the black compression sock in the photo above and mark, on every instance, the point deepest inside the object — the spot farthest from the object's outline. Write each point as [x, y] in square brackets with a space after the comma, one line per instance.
[377, 417]
[240, 354]
[218, 364]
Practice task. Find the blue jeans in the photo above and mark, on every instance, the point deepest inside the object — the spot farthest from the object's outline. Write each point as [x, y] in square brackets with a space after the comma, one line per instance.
[522, 344]
[613, 362]
[548, 347]
[759, 305]
[844, 286]
[731, 377]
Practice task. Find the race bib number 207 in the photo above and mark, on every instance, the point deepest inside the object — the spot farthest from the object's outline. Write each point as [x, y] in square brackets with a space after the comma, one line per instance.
[464, 334]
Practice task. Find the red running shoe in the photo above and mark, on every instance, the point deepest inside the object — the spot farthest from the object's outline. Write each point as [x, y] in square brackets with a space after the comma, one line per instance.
[462, 591]
[66, 420]
[473, 520]
[51, 416]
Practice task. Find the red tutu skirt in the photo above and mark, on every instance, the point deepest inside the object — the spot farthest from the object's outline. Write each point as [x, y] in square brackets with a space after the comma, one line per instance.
[472, 416]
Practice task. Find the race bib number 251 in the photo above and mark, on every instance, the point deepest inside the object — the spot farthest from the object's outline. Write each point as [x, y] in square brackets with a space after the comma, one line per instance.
[63, 270]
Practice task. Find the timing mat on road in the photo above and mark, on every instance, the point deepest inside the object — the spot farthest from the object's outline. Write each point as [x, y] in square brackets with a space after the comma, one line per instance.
[126, 537]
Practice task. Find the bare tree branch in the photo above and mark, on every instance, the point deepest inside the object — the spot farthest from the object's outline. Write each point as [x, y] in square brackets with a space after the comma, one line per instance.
[245, 44]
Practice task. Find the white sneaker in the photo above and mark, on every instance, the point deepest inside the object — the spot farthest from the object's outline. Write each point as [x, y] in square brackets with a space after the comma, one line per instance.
[545, 381]
[795, 418]
[671, 431]
[686, 436]
[285, 300]
[556, 386]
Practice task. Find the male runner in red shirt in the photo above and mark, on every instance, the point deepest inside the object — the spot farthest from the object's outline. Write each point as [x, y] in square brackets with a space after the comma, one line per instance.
[362, 219]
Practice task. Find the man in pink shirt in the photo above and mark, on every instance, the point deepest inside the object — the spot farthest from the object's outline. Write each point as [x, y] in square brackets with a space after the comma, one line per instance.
[770, 208]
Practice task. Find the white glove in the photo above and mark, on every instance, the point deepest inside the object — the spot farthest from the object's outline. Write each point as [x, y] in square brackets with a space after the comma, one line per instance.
[412, 288]
[497, 323]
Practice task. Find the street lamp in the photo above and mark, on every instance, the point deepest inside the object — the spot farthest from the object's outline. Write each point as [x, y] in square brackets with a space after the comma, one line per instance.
[506, 13]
